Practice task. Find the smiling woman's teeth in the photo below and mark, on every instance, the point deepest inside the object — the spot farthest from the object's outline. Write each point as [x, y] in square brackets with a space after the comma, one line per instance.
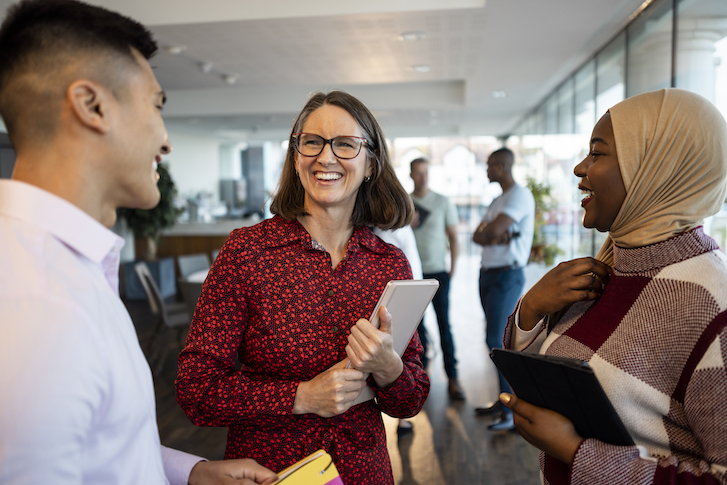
[328, 176]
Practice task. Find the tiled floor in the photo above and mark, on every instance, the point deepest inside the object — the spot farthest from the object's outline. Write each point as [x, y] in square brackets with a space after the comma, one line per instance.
[450, 445]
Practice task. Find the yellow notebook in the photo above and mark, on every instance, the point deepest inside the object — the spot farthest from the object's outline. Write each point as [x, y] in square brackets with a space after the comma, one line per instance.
[315, 469]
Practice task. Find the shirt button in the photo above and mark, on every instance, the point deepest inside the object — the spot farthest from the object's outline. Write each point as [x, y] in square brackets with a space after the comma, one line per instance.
[334, 329]
[330, 292]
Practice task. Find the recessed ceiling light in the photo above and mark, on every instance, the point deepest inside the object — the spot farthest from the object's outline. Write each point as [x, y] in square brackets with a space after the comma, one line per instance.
[230, 78]
[175, 49]
[204, 66]
[412, 35]
[499, 94]
[421, 68]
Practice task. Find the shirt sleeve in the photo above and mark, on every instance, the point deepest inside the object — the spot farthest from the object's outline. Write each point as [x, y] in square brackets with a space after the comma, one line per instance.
[706, 416]
[520, 205]
[178, 465]
[519, 339]
[408, 246]
[210, 388]
[406, 396]
[451, 218]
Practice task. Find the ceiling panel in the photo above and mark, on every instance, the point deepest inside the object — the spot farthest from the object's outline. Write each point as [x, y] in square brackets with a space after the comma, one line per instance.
[265, 57]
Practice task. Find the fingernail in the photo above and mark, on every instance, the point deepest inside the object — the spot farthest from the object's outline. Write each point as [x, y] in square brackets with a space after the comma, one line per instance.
[505, 398]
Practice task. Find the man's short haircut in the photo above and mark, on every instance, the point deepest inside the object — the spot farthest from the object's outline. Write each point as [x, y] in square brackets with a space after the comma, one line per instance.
[508, 157]
[417, 161]
[504, 151]
[47, 44]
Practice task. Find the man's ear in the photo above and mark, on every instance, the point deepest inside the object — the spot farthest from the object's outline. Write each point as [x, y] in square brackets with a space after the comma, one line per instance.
[89, 103]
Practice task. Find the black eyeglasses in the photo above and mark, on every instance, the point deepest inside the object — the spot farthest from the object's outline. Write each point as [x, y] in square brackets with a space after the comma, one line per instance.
[344, 147]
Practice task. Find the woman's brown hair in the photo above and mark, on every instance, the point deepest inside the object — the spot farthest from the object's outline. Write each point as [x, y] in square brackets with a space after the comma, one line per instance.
[381, 201]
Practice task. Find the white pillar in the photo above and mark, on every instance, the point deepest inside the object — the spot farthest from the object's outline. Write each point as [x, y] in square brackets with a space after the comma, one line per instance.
[695, 58]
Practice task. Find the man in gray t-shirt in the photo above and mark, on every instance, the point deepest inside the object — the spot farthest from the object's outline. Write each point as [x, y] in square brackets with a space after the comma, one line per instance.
[435, 229]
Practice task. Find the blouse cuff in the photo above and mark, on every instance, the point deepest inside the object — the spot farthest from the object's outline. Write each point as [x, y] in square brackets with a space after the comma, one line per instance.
[521, 339]
[401, 384]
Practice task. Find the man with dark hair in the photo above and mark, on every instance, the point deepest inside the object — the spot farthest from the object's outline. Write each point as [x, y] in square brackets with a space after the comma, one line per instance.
[83, 110]
[506, 235]
[435, 229]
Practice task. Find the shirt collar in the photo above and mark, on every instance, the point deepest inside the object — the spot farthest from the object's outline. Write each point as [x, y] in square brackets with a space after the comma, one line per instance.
[61, 219]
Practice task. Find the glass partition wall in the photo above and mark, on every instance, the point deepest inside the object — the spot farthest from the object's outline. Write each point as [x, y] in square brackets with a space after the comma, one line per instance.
[671, 43]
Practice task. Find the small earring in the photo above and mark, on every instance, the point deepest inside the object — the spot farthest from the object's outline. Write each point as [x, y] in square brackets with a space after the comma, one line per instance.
[367, 178]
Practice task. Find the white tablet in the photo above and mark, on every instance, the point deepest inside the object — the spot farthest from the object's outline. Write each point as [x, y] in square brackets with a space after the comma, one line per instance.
[406, 301]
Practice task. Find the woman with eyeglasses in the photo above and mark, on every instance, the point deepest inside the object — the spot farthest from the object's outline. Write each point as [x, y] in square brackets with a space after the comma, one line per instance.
[289, 298]
[649, 313]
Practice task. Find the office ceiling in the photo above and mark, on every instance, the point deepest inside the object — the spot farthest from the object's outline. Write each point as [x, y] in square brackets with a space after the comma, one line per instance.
[264, 57]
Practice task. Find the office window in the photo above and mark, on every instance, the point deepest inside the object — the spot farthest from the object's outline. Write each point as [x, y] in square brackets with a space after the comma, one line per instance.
[611, 75]
[566, 107]
[585, 101]
[650, 50]
[551, 115]
[638, 60]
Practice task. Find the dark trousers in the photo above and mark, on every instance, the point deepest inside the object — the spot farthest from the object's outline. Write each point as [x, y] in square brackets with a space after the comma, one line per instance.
[441, 308]
[499, 293]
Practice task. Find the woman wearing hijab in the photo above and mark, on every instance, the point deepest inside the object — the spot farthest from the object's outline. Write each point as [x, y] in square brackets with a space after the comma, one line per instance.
[289, 299]
[648, 314]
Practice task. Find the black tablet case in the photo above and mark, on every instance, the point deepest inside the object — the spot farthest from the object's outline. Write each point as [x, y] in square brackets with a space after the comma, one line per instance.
[566, 386]
[423, 213]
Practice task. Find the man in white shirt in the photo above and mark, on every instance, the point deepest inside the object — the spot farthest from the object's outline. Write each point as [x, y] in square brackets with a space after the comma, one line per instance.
[506, 235]
[82, 108]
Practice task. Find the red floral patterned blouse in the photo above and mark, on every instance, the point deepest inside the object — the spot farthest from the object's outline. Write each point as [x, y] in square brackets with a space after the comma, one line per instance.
[273, 300]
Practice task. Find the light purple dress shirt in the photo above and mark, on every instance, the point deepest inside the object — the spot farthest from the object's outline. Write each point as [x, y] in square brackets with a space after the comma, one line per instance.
[76, 394]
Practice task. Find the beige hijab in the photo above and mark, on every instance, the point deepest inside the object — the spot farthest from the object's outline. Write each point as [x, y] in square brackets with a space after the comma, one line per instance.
[672, 151]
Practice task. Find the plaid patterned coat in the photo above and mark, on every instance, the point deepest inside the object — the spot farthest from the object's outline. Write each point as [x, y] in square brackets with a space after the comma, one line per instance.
[657, 340]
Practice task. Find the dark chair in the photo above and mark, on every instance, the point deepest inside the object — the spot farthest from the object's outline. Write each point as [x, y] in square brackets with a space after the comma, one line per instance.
[172, 320]
[190, 293]
[191, 263]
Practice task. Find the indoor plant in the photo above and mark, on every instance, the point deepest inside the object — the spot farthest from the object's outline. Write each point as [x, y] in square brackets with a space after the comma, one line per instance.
[542, 252]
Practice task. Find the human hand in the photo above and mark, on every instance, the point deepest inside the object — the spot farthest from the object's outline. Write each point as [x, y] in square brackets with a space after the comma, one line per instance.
[504, 238]
[545, 429]
[372, 350]
[416, 220]
[229, 472]
[330, 393]
[569, 282]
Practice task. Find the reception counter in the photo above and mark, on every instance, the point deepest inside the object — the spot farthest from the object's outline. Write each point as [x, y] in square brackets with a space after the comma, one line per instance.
[199, 237]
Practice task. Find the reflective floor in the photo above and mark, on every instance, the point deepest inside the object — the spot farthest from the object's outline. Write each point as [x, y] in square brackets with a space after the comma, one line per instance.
[449, 444]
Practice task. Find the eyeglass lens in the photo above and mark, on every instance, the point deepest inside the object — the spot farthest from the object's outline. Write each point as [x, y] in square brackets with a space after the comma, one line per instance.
[343, 146]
